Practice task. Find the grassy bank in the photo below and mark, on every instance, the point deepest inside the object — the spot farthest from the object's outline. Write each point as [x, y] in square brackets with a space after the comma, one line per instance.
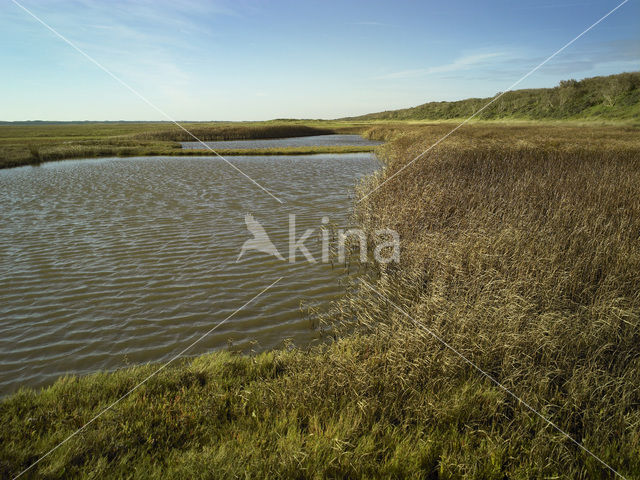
[520, 248]
[232, 132]
[34, 143]
[49, 154]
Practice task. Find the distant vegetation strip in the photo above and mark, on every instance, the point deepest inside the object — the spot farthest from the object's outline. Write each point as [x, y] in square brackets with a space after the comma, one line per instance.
[38, 156]
[232, 132]
[614, 97]
[281, 150]
[31, 144]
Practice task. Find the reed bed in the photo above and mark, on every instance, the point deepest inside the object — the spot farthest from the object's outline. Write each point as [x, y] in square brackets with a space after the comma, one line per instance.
[521, 248]
[232, 132]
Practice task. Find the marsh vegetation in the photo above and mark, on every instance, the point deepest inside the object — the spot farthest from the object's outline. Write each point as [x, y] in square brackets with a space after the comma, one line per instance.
[520, 249]
[34, 143]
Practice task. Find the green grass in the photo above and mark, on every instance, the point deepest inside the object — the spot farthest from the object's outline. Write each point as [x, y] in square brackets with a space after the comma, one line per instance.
[226, 416]
[519, 248]
[611, 98]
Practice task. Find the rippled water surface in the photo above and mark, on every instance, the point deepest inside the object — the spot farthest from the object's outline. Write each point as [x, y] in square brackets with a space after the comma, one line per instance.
[115, 261]
[312, 141]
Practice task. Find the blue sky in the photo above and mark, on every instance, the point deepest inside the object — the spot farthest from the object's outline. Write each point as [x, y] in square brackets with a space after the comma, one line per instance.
[253, 60]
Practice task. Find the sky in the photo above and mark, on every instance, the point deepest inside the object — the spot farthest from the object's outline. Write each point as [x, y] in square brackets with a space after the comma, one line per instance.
[258, 60]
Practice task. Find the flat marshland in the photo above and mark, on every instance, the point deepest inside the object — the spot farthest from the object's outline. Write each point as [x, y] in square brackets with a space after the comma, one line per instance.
[33, 143]
[520, 249]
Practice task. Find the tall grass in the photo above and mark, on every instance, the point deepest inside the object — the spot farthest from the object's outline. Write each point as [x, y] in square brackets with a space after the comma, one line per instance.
[232, 132]
[36, 156]
[525, 257]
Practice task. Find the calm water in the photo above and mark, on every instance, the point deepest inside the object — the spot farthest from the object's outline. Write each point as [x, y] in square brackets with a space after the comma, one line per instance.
[313, 141]
[115, 261]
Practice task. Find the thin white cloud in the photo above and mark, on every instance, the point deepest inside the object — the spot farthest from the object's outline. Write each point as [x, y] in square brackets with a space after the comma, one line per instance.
[462, 63]
[144, 42]
[585, 59]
